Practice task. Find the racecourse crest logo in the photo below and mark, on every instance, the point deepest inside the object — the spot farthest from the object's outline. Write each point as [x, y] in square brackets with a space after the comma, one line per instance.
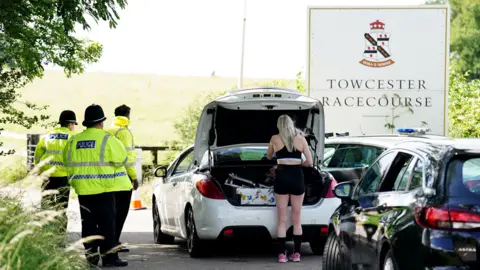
[377, 52]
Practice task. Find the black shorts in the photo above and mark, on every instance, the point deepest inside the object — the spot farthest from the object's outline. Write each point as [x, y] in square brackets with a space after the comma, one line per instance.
[289, 180]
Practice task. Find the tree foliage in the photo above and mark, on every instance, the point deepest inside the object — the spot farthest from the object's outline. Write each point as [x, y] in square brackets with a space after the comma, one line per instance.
[463, 104]
[36, 33]
[465, 34]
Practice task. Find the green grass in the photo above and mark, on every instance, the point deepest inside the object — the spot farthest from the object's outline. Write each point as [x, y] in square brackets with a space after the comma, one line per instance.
[156, 101]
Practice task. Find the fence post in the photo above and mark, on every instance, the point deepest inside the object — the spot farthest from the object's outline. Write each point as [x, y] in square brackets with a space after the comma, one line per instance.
[32, 141]
[138, 165]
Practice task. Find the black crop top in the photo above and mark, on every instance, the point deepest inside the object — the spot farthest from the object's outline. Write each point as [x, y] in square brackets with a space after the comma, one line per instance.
[283, 153]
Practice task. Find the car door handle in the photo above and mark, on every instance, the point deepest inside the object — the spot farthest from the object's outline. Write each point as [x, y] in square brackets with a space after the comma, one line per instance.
[174, 183]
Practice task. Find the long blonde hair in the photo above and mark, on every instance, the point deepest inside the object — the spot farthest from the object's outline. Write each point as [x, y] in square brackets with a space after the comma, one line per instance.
[287, 131]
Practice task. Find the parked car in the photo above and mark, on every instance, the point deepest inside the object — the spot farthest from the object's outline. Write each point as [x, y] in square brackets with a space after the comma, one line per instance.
[196, 199]
[416, 207]
[347, 158]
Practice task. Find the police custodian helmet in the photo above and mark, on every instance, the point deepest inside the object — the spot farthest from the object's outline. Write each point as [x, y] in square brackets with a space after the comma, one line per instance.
[93, 115]
[68, 116]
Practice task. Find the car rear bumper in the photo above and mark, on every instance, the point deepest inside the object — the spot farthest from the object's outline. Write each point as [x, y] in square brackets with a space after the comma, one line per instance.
[213, 217]
[452, 250]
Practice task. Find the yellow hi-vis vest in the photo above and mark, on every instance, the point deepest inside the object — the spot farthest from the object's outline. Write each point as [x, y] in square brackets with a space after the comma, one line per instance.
[95, 163]
[52, 145]
[120, 131]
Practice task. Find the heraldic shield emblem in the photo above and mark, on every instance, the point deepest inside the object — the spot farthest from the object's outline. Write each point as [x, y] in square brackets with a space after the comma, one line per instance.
[377, 52]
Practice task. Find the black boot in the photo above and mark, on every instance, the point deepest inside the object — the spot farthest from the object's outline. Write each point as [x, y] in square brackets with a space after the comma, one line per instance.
[92, 259]
[112, 260]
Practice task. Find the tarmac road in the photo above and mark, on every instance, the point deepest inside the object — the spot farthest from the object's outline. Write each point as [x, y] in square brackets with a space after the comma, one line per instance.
[145, 254]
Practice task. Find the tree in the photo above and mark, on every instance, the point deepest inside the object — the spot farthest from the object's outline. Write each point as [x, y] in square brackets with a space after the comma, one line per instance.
[36, 33]
[465, 34]
[463, 104]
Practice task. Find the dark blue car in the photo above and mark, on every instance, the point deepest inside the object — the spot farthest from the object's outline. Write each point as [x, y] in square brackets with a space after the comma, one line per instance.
[416, 207]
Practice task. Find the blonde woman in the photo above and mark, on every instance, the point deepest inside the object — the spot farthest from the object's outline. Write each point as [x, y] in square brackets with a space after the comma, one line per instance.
[288, 146]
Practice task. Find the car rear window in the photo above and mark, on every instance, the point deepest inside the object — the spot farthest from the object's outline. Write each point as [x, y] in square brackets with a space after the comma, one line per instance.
[463, 177]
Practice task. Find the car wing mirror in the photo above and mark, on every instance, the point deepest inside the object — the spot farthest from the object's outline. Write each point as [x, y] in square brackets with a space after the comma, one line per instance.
[344, 190]
[160, 172]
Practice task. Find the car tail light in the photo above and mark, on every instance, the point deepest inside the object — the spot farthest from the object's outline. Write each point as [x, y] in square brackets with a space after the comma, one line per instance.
[330, 193]
[446, 219]
[209, 189]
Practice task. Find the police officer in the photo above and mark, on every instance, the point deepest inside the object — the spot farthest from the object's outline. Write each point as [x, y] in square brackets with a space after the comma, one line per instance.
[51, 146]
[95, 163]
[124, 194]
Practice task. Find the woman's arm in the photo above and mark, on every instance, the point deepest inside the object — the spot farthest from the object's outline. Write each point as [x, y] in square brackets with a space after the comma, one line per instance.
[270, 149]
[308, 155]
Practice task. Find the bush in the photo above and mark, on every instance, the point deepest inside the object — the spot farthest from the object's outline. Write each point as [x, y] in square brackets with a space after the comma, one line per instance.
[463, 104]
[13, 169]
[31, 239]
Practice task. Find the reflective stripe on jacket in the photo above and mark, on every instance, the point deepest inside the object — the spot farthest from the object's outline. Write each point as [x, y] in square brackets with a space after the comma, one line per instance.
[52, 145]
[120, 131]
[95, 163]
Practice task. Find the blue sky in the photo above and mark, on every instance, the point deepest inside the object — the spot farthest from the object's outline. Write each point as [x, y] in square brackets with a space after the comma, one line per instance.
[191, 37]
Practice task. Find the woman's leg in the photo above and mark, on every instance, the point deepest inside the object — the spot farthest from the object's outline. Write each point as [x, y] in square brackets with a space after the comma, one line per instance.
[282, 204]
[297, 202]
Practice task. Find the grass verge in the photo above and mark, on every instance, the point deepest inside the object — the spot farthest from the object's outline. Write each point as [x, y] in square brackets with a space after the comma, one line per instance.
[31, 239]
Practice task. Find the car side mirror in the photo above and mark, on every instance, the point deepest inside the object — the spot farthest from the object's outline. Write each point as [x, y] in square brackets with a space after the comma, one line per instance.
[160, 171]
[344, 190]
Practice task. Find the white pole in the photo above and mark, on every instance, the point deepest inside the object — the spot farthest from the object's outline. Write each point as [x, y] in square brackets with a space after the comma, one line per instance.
[240, 80]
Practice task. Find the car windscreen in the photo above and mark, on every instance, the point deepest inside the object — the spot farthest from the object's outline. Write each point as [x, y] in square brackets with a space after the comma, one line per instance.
[463, 177]
[351, 156]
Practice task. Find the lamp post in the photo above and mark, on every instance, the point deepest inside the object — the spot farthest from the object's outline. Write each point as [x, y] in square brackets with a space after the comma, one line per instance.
[240, 79]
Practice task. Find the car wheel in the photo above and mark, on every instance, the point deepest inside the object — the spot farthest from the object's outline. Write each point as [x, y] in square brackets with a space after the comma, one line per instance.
[317, 245]
[158, 235]
[389, 262]
[195, 247]
[335, 256]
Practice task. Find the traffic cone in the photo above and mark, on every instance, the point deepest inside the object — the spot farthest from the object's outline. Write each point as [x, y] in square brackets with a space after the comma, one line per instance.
[137, 203]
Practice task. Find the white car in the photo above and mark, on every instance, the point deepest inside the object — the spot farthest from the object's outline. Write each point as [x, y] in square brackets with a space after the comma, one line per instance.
[200, 197]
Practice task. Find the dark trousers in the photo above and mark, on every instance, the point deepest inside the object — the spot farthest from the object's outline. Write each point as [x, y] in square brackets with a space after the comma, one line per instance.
[57, 201]
[98, 219]
[122, 204]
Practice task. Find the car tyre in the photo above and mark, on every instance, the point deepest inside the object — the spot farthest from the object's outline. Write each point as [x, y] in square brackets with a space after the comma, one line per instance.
[196, 248]
[158, 235]
[389, 263]
[317, 245]
[335, 256]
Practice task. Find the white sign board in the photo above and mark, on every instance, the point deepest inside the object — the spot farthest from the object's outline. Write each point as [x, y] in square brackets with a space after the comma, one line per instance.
[376, 69]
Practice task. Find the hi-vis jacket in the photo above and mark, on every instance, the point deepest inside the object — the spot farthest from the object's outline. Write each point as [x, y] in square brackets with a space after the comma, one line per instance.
[120, 131]
[52, 145]
[95, 162]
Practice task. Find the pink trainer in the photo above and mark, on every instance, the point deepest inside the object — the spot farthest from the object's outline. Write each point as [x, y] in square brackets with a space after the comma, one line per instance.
[295, 257]
[282, 258]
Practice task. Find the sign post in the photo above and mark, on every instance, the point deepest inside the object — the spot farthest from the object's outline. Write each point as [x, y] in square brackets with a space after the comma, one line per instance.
[376, 69]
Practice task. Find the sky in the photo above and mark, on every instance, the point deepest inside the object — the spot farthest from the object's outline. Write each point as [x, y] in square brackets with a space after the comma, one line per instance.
[196, 38]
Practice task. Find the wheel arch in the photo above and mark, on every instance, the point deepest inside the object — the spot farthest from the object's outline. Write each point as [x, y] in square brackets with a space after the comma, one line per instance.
[384, 248]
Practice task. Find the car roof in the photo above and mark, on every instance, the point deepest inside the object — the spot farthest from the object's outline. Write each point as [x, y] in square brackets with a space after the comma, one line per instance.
[409, 141]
